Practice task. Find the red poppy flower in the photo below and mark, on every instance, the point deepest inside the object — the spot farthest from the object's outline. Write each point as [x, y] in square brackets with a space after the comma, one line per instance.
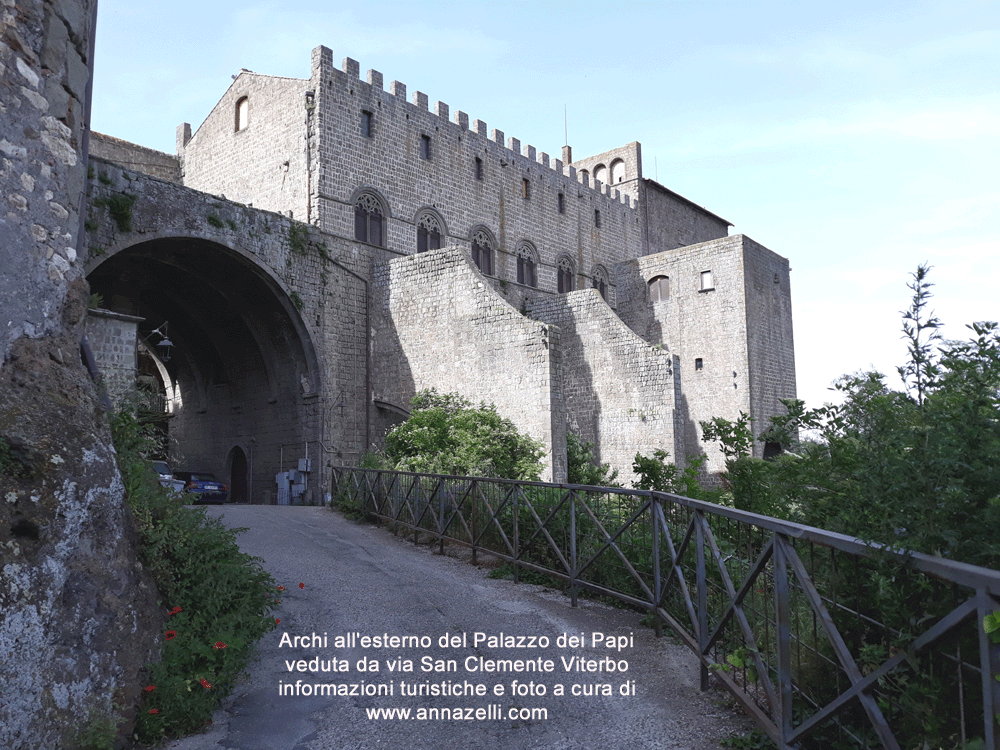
[154, 710]
[277, 621]
[175, 610]
[206, 684]
[220, 644]
[170, 635]
[302, 585]
[281, 588]
[149, 688]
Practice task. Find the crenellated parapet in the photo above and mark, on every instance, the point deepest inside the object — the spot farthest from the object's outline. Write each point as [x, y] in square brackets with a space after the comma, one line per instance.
[508, 147]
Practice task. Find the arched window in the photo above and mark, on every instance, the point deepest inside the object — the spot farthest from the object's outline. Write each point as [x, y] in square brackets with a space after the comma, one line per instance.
[601, 173]
[565, 266]
[617, 171]
[659, 289]
[242, 113]
[585, 176]
[526, 265]
[482, 251]
[600, 279]
[428, 232]
[368, 220]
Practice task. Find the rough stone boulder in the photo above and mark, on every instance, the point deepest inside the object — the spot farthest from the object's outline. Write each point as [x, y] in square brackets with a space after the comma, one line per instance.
[78, 614]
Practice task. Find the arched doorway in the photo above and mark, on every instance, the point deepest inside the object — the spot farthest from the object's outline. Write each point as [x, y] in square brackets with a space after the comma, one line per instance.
[237, 475]
[241, 362]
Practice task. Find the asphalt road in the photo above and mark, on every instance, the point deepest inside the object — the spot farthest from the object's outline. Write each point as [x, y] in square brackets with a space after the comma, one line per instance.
[361, 579]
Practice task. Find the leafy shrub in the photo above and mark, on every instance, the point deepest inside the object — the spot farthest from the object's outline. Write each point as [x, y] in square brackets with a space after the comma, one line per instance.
[220, 598]
[447, 434]
[583, 468]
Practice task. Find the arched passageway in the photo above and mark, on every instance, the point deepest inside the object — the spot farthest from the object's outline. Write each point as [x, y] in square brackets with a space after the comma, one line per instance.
[240, 367]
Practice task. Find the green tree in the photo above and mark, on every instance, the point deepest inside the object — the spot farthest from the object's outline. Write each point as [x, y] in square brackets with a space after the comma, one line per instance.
[583, 468]
[918, 468]
[447, 434]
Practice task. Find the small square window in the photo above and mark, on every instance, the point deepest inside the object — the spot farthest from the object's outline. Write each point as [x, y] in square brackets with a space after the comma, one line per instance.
[367, 124]
[597, 218]
[562, 203]
[525, 188]
[425, 147]
[707, 282]
[479, 168]
[699, 364]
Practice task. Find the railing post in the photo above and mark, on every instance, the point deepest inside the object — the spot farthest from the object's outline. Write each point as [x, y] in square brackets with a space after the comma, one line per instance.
[784, 640]
[699, 553]
[989, 662]
[475, 518]
[441, 517]
[517, 547]
[654, 520]
[572, 549]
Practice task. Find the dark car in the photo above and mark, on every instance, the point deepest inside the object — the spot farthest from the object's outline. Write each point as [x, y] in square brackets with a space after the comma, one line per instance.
[203, 486]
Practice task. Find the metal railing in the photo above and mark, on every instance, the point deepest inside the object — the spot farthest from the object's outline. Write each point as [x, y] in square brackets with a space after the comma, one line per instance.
[825, 640]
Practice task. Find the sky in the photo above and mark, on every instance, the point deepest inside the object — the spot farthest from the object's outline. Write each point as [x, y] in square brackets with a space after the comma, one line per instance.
[857, 139]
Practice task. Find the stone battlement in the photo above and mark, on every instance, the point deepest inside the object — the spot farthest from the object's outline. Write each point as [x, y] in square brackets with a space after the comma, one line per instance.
[524, 155]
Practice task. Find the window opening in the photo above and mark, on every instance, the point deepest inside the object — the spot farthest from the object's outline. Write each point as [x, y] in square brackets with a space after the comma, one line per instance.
[428, 234]
[659, 289]
[526, 267]
[482, 252]
[600, 283]
[242, 113]
[617, 171]
[425, 147]
[479, 168]
[562, 203]
[597, 218]
[368, 220]
[565, 275]
[600, 173]
[525, 188]
[699, 364]
[367, 124]
[707, 282]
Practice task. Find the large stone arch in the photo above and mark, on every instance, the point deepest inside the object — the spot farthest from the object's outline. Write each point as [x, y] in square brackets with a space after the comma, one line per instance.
[243, 359]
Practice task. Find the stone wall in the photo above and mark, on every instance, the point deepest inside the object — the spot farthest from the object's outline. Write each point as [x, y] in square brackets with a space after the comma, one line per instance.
[263, 164]
[439, 324]
[619, 390]
[674, 221]
[113, 339]
[78, 617]
[725, 328]
[270, 330]
[44, 53]
[139, 158]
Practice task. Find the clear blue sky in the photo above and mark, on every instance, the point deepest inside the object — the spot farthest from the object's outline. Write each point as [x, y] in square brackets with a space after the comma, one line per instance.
[857, 139]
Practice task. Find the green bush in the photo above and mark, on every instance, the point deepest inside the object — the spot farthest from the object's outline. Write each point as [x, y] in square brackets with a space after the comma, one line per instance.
[447, 434]
[583, 468]
[220, 598]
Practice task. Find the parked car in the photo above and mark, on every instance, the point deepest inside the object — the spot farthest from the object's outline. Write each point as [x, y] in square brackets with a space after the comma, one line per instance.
[166, 477]
[203, 486]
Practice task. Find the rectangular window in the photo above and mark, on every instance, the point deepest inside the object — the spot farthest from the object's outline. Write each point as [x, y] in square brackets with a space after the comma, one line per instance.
[597, 218]
[479, 168]
[525, 188]
[367, 124]
[561, 202]
[699, 364]
[707, 282]
[425, 147]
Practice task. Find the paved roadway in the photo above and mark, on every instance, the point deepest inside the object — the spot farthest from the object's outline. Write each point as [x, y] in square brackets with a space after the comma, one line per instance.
[360, 578]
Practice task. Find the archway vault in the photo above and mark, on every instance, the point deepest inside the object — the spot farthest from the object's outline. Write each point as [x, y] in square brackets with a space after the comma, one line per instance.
[242, 357]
